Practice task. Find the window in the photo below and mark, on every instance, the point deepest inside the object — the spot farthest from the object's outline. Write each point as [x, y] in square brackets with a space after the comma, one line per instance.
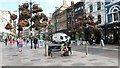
[115, 15]
[110, 18]
[65, 36]
[98, 5]
[61, 37]
[119, 15]
[91, 8]
[99, 19]
[79, 8]
[76, 10]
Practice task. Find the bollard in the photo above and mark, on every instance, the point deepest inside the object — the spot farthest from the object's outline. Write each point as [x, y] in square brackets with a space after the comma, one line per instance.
[86, 48]
[46, 49]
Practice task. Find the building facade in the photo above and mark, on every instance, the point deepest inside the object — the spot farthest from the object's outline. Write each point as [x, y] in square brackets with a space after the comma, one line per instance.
[60, 17]
[4, 19]
[73, 12]
[112, 25]
[97, 9]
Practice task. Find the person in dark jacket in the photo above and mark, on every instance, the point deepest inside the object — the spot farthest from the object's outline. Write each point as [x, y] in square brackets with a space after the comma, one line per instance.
[69, 44]
[35, 41]
[5, 41]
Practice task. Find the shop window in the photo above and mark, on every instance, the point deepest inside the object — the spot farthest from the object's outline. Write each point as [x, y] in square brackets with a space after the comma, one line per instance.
[91, 8]
[98, 5]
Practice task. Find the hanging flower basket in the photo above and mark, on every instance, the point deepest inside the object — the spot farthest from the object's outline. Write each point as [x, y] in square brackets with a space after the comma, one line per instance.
[35, 6]
[44, 23]
[36, 21]
[37, 28]
[20, 28]
[25, 14]
[13, 16]
[29, 15]
[37, 16]
[8, 26]
[26, 23]
[39, 9]
[23, 23]
[34, 11]
[26, 5]
[43, 15]
[21, 7]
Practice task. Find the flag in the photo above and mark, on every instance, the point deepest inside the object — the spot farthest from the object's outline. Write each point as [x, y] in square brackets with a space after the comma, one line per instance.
[52, 21]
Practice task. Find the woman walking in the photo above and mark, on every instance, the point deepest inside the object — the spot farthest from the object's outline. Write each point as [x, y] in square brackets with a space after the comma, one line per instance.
[11, 41]
[20, 45]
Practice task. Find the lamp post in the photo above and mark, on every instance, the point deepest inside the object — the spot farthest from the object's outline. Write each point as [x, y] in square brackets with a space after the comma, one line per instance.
[31, 22]
[72, 18]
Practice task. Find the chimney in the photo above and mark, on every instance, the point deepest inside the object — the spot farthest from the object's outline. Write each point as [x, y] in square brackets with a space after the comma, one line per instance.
[64, 2]
[72, 2]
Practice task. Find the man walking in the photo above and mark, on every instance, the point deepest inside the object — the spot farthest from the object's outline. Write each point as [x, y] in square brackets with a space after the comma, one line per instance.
[5, 40]
[35, 41]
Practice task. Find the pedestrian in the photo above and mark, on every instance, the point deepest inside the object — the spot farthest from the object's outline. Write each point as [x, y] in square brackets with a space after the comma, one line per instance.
[11, 41]
[35, 41]
[27, 41]
[102, 42]
[69, 44]
[18, 41]
[64, 50]
[93, 41]
[40, 43]
[5, 40]
[20, 45]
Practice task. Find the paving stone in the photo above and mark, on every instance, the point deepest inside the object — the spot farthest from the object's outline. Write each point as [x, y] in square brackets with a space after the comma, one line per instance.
[92, 59]
[67, 61]
[56, 64]
[78, 64]
[49, 61]
[14, 55]
[35, 59]
[27, 64]
[32, 57]
[99, 63]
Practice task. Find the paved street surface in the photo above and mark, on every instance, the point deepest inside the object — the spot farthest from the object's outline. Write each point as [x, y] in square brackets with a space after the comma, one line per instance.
[36, 57]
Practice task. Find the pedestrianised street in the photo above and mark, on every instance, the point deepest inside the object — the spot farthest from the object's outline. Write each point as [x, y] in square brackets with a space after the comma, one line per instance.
[36, 57]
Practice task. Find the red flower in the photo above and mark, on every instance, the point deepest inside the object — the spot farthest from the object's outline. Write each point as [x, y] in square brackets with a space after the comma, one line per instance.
[36, 21]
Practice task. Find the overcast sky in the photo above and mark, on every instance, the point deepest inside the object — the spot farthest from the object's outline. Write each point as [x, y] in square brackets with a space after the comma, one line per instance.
[48, 6]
